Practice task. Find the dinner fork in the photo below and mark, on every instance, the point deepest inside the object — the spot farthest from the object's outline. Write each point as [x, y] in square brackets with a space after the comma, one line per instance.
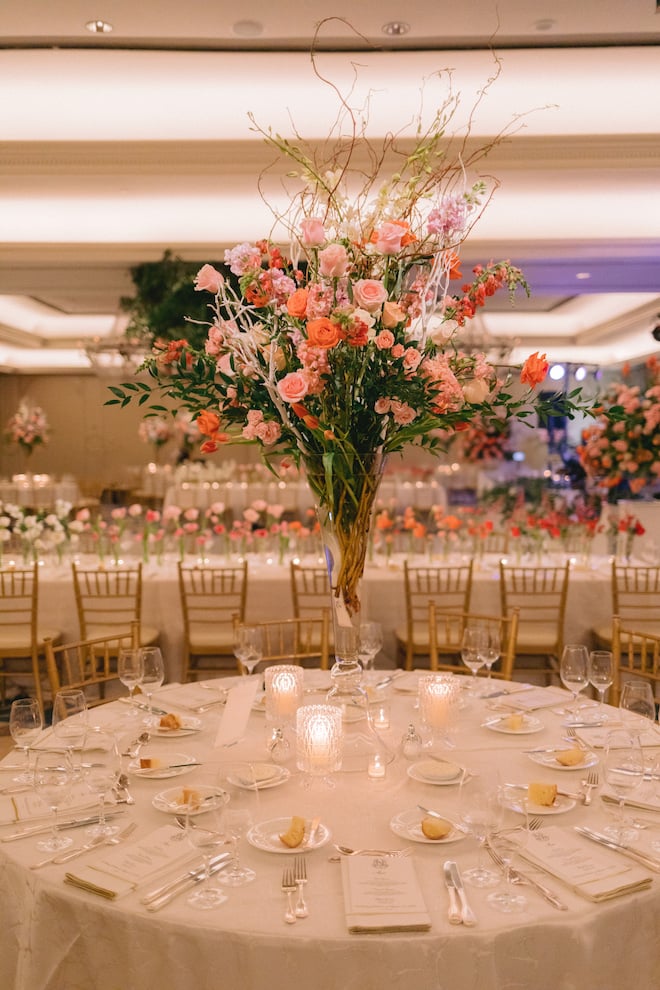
[289, 888]
[300, 877]
[534, 824]
[592, 780]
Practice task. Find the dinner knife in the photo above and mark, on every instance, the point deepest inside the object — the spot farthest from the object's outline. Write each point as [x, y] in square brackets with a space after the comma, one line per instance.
[46, 827]
[603, 840]
[163, 895]
[467, 914]
[454, 913]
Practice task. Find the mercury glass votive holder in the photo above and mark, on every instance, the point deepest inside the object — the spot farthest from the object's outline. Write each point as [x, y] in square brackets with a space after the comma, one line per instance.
[284, 692]
[319, 738]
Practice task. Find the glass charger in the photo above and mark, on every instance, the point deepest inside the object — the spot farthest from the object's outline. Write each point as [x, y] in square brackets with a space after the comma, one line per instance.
[529, 725]
[189, 726]
[258, 776]
[171, 800]
[171, 765]
[550, 760]
[408, 825]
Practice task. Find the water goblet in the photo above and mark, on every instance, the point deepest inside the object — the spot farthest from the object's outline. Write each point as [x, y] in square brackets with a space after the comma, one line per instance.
[479, 813]
[472, 646]
[101, 767]
[236, 820]
[248, 647]
[153, 671]
[637, 704]
[371, 643]
[574, 673]
[490, 648]
[25, 725]
[601, 676]
[129, 671]
[208, 837]
[623, 771]
[53, 777]
[507, 841]
[69, 720]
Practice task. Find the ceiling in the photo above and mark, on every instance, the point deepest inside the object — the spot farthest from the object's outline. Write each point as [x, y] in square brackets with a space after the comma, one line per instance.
[115, 147]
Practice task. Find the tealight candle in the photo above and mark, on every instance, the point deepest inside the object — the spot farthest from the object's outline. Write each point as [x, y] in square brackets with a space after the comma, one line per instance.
[376, 768]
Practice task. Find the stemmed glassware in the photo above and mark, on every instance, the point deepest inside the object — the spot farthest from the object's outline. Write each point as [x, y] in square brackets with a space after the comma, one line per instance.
[479, 813]
[248, 647]
[371, 643]
[25, 724]
[601, 676]
[208, 837]
[69, 720]
[53, 777]
[129, 671]
[153, 670]
[101, 767]
[574, 673]
[623, 770]
[637, 703]
[507, 841]
[490, 648]
[236, 820]
[472, 650]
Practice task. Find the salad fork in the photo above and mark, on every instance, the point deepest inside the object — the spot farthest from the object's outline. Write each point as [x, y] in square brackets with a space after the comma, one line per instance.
[289, 888]
[591, 781]
[300, 877]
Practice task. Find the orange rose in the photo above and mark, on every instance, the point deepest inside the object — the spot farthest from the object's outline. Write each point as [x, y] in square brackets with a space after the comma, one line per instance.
[534, 369]
[323, 333]
[296, 304]
[210, 446]
[208, 423]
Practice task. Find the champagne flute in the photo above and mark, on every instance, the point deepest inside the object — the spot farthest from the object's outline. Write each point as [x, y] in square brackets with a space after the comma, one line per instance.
[129, 671]
[479, 813]
[25, 724]
[207, 837]
[248, 647]
[371, 643]
[490, 648]
[69, 719]
[101, 767]
[472, 646]
[153, 670]
[507, 841]
[53, 777]
[601, 676]
[574, 673]
[623, 768]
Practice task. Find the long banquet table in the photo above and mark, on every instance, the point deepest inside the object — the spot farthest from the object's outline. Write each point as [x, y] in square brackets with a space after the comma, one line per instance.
[58, 937]
[269, 597]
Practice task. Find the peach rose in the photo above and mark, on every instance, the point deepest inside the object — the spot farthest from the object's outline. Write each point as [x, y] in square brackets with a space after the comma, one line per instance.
[322, 333]
[208, 279]
[296, 304]
[392, 315]
[534, 369]
[476, 390]
[208, 423]
[333, 261]
[313, 233]
[293, 387]
[384, 340]
[391, 236]
[370, 294]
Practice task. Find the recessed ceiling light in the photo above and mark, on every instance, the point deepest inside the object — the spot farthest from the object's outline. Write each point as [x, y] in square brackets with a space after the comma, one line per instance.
[544, 24]
[583, 275]
[248, 29]
[99, 27]
[396, 29]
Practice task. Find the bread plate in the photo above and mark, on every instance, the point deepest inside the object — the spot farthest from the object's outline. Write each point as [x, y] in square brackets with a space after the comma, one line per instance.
[441, 773]
[171, 765]
[408, 825]
[189, 726]
[266, 836]
[529, 725]
[169, 801]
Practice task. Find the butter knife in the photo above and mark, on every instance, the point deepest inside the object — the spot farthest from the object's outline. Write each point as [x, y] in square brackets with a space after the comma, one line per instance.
[603, 840]
[467, 914]
[454, 914]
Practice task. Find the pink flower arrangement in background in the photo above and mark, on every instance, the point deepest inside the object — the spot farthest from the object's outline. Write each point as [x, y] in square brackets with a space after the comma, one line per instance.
[156, 430]
[28, 427]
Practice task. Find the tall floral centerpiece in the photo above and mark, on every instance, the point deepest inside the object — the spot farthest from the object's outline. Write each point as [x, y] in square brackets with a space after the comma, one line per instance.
[622, 449]
[28, 428]
[344, 347]
[156, 431]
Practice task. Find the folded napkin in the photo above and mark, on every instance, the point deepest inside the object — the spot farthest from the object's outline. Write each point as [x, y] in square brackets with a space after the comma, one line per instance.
[237, 711]
[594, 873]
[253, 774]
[596, 736]
[119, 870]
[30, 808]
[535, 699]
[382, 894]
[190, 697]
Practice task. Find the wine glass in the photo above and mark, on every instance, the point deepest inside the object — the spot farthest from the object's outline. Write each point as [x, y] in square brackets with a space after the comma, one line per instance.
[479, 813]
[637, 702]
[507, 842]
[25, 724]
[129, 671]
[69, 719]
[153, 670]
[472, 646]
[208, 837]
[53, 777]
[601, 675]
[490, 648]
[623, 770]
[101, 767]
[371, 643]
[248, 647]
[574, 673]
[236, 820]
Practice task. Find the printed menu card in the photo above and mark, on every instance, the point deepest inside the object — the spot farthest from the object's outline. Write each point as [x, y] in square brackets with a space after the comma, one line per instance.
[382, 894]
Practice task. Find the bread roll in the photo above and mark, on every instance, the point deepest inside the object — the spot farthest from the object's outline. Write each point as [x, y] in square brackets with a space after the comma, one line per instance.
[295, 833]
[515, 722]
[170, 721]
[570, 757]
[435, 828]
[190, 797]
[542, 794]
[150, 763]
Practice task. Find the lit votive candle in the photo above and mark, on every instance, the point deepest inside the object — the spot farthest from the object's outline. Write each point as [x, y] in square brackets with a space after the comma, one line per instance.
[438, 695]
[284, 692]
[319, 737]
[376, 768]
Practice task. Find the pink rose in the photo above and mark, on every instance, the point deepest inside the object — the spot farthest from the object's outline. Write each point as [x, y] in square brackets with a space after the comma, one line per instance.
[389, 237]
[208, 279]
[269, 432]
[293, 387]
[411, 359]
[398, 351]
[384, 340]
[370, 294]
[333, 261]
[313, 233]
[382, 406]
[402, 413]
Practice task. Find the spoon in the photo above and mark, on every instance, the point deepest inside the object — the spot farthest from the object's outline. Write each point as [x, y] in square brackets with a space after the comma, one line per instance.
[134, 748]
[121, 790]
[347, 851]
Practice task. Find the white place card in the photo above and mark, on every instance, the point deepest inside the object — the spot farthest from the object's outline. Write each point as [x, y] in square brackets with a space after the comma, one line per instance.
[237, 711]
[191, 696]
[536, 698]
[382, 894]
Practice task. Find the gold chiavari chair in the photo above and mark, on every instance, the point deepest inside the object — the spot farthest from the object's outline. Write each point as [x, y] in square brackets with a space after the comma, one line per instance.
[88, 664]
[21, 636]
[110, 599]
[540, 594]
[635, 653]
[635, 599]
[448, 627]
[449, 587]
[210, 598]
[302, 641]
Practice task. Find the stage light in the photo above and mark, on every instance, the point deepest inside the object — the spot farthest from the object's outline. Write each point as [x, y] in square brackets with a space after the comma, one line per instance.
[557, 372]
[580, 373]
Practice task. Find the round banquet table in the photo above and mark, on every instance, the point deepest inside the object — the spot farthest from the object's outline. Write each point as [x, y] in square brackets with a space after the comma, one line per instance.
[58, 936]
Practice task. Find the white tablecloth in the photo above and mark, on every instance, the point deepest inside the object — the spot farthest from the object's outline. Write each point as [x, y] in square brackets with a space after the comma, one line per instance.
[60, 938]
